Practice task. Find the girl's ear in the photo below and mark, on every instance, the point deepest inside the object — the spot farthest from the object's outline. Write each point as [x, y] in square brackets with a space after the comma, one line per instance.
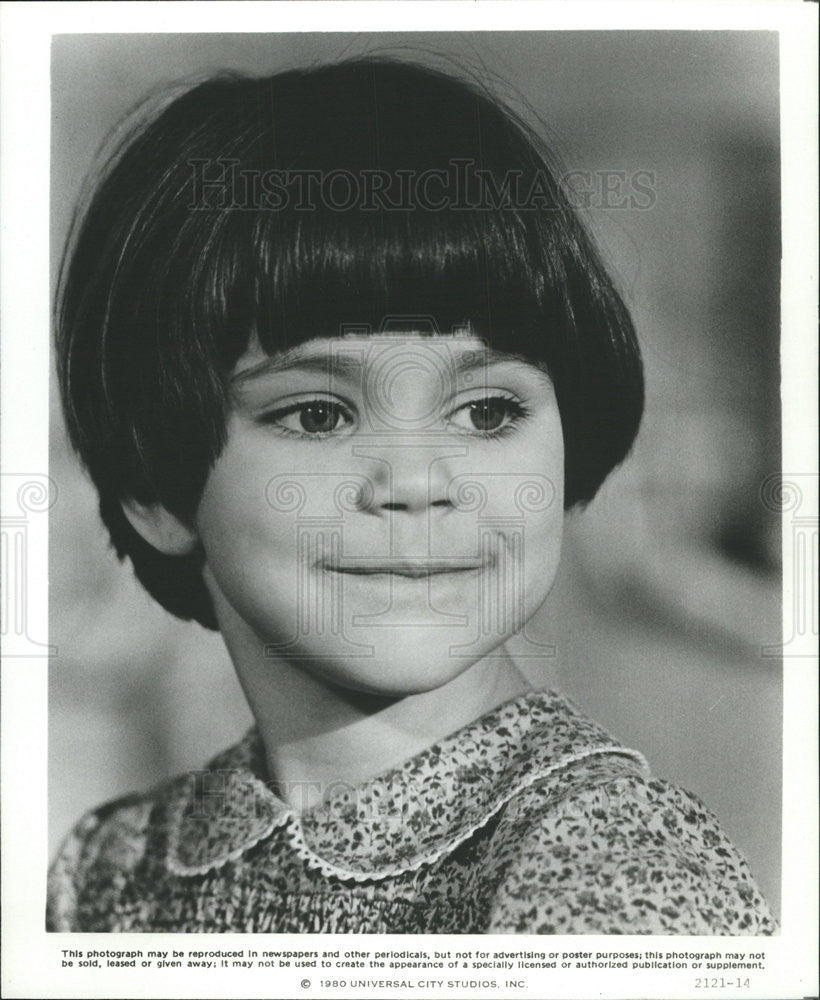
[160, 528]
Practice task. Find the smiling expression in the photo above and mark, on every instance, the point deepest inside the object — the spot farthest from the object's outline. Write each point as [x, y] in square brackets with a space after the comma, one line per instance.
[386, 510]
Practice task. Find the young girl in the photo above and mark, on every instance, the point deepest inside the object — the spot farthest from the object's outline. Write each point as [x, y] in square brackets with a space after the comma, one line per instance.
[338, 354]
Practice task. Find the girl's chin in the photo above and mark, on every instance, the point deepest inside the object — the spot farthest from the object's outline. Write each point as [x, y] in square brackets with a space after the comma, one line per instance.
[390, 677]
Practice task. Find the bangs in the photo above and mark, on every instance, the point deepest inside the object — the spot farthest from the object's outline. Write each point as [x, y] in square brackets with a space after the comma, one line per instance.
[293, 278]
[270, 259]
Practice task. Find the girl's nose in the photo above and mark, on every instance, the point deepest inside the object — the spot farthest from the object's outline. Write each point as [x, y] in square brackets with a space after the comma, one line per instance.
[410, 477]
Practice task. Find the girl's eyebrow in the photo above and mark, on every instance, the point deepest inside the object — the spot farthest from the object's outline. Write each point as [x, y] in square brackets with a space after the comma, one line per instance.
[334, 363]
[294, 359]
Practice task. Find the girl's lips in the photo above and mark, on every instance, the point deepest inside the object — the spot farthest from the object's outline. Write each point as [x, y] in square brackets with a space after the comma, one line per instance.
[410, 568]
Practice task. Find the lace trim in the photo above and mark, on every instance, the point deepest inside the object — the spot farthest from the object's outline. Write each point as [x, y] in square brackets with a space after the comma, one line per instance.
[330, 869]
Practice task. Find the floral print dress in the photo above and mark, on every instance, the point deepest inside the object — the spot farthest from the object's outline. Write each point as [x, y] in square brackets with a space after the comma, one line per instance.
[529, 820]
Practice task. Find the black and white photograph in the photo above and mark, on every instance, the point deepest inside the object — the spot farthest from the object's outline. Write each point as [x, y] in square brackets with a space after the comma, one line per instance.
[431, 565]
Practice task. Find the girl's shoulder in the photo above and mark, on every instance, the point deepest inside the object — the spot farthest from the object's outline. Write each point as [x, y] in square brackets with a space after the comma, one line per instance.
[111, 838]
[134, 834]
[609, 849]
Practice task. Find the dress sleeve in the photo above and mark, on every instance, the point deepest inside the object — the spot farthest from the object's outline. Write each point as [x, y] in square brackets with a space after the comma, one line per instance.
[94, 860]
[631, 856]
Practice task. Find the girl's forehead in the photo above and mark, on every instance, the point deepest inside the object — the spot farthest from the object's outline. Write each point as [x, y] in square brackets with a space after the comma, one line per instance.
[355, 351]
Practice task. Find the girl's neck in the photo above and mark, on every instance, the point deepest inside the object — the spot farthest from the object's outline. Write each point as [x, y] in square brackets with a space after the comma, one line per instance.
[318, 736]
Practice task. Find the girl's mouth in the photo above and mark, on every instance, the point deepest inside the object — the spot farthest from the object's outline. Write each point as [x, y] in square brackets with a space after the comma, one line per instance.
[413, 569]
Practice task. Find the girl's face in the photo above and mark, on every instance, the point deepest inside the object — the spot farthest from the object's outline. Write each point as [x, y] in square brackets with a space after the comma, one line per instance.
[387, 510]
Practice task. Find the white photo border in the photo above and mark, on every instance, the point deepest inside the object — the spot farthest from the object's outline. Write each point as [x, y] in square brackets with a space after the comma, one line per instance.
[31, 958]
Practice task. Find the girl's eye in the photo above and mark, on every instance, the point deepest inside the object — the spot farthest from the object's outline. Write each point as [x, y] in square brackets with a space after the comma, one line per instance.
[488, 415]
[312, 418]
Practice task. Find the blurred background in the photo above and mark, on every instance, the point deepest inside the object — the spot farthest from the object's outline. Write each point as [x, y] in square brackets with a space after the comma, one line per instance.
[667, 605]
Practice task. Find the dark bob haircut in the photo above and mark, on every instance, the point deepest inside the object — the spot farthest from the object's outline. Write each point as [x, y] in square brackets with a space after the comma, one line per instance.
[293, 206]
